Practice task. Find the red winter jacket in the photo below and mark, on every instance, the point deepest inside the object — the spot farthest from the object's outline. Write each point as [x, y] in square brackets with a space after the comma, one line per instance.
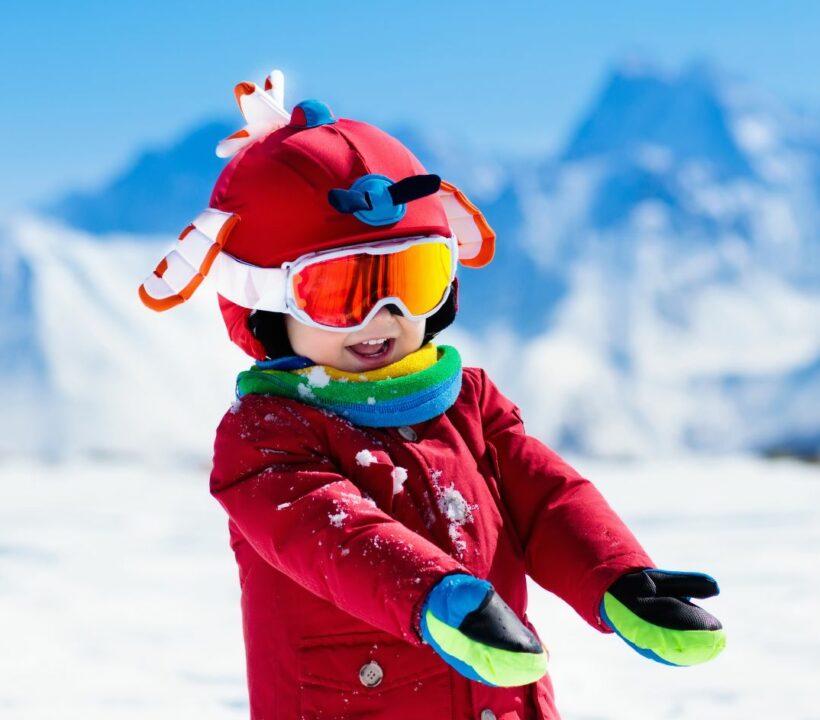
[334, 567]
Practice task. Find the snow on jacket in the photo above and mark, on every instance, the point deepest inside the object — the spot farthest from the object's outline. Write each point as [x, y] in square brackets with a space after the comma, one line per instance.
[340, 532]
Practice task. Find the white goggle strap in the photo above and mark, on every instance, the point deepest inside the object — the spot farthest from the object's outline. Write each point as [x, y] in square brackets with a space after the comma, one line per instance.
[253, 287]
[181, 271]
[261, 288]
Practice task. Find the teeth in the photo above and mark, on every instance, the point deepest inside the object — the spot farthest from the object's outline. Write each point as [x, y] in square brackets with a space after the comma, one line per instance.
[374, 342]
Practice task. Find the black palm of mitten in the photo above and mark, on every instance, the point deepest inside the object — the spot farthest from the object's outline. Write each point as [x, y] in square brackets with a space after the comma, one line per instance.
[651, 610]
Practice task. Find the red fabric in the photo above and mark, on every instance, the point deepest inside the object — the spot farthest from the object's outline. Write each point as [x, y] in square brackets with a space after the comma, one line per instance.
[334, 567]
[236, 322]
[278, 187]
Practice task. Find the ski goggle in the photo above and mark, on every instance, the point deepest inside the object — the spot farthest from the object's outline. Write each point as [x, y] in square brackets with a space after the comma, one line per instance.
[343, 288]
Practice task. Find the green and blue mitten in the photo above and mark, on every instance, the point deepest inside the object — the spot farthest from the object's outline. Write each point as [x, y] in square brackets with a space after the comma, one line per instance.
[476, 632]
[651, 610]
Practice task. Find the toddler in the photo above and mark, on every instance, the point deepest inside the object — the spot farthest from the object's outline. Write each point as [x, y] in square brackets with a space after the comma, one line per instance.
[385, 503]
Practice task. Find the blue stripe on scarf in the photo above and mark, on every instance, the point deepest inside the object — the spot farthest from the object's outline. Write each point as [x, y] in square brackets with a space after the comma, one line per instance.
[403, 411]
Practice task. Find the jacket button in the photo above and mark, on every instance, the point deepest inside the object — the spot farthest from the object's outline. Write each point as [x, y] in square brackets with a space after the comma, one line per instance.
[487, 714]
[408, 433]
[371, 674]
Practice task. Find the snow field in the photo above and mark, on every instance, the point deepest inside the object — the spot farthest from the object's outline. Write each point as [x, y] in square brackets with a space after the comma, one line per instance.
[119, 597]
[755, 526]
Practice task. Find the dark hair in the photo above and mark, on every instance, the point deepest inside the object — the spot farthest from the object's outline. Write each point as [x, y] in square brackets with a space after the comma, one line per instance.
[270, 330]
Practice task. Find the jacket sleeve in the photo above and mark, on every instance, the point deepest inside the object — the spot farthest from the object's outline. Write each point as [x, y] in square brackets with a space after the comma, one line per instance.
[575, 545]
[274, 479]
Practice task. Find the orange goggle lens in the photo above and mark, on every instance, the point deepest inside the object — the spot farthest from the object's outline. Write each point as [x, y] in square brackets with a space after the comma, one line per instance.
[340, 292]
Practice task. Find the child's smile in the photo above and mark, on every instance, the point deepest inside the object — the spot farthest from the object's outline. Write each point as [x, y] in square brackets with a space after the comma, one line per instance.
[386, 339]
[373, 349]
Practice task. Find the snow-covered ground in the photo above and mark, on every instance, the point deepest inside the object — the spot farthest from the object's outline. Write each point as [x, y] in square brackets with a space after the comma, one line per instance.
[119, 598]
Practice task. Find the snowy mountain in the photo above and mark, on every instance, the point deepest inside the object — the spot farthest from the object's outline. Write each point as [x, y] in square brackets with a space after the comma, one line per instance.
[87, 369]
[656, 285]
[158, 193]
[24, 378]
[684, 114]
[691, 252]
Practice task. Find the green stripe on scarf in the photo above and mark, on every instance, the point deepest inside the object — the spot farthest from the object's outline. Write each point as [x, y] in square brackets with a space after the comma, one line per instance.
[403, 400]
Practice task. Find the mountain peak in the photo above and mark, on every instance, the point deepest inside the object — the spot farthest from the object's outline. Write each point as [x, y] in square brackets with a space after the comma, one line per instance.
[643, 105]
[158, 192]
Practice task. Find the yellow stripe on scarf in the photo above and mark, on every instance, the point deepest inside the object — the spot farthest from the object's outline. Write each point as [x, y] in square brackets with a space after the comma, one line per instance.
[416, 361]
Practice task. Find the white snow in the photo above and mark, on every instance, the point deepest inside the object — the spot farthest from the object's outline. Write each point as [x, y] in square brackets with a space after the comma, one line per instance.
[337, 518]
[755, 134]
[119, 598]
[120, 378]
[454, 507]
[365, 458]
[399, 475]
[317, 376]
[304, 391]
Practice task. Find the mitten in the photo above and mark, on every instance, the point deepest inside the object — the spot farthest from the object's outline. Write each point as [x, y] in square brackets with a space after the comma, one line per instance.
[477, 633]
[652, 612]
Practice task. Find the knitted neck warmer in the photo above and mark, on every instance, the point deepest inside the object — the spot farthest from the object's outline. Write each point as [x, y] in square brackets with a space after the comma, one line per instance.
[417, 388]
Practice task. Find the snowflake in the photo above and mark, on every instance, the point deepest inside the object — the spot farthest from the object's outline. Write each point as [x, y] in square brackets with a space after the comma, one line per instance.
[399, 475]
[317, 376]
[365, 458]
[453, 506]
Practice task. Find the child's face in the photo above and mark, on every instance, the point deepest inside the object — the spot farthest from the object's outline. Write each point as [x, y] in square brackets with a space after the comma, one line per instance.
[340, 350]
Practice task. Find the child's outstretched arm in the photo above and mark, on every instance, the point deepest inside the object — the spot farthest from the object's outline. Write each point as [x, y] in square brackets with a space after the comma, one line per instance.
[312, 523]
[577, 547]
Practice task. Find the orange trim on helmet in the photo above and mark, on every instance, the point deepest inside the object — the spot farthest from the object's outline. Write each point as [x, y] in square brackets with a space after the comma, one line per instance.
[242, 89]
[487, 250]
[210, 256]
[238, 134]
[159, 305]
[165, 303]
[222, 236]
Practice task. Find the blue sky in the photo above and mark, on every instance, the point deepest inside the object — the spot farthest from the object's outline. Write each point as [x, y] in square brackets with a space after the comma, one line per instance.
[87, 85]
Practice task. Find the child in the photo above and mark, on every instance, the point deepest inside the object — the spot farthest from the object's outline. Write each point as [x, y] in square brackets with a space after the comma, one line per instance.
[385, 503]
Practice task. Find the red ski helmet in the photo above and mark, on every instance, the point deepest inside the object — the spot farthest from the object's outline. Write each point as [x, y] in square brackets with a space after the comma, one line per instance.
[272, 202]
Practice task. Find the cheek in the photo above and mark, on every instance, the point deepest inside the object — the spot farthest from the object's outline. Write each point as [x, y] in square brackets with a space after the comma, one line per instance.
[415, 332]
[312, 342]
[333, 344]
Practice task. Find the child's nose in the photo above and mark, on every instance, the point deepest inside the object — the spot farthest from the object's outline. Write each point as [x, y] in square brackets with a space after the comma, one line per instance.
[385, 317]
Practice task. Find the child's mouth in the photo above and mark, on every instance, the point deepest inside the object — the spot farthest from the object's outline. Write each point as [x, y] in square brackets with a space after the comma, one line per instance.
[370, 351]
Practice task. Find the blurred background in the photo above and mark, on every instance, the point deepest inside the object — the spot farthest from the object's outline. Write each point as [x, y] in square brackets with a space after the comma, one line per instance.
[653, 173]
